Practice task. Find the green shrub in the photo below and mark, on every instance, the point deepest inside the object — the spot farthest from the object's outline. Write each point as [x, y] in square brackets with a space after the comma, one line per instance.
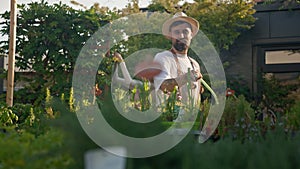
[238, 119]
[275, 95]
[27, 142]
[31, 138]
[22, 149]
[7, 117]
[276, 150]
[239, 85]
[292, 117]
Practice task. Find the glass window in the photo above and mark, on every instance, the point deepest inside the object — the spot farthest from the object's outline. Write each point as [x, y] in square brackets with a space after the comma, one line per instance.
[282, 57]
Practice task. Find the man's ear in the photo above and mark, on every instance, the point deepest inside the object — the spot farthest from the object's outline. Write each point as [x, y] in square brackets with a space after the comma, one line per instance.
[193, 34]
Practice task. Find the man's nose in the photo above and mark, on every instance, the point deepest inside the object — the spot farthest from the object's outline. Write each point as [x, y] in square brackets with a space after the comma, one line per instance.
[181, 35]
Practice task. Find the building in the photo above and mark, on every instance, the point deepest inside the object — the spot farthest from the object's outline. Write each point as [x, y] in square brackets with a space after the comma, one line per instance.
[271, 46]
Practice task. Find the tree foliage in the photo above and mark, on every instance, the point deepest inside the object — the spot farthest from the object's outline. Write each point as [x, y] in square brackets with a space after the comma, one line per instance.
[49, 39]
[221, 21]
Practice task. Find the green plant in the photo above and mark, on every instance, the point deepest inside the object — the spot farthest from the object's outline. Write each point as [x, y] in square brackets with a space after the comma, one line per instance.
[49, 38]
[22, 149]
[26, 141]
[42, 137]
[171, 106]
[222, 21]
[140, 96]
[275, 150]
[275, 95]
[239, 85]
[7, 117]
[238, 120]
[104, 74]
[292, 117]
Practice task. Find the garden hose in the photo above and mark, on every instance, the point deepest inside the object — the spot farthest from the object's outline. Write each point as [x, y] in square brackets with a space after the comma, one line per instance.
[210, 90]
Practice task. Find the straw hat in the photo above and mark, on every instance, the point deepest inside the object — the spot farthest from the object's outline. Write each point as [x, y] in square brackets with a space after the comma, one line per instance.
[180, 16]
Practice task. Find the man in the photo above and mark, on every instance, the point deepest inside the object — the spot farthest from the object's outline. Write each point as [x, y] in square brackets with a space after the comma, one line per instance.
[178, 70]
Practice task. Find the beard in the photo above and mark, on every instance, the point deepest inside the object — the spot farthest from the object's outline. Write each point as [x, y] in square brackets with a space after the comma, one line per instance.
[180, 46]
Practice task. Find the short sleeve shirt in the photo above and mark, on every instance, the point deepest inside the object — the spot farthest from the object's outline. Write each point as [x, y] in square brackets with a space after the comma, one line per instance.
[170, 68]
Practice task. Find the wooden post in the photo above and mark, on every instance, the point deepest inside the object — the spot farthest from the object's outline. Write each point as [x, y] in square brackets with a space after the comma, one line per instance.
[11, 54]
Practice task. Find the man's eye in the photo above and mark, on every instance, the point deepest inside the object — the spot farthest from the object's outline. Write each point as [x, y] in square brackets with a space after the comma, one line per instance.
[186, 32]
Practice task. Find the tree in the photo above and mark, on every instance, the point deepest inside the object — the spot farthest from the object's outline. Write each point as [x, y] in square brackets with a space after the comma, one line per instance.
[49, 39]
[221, 21]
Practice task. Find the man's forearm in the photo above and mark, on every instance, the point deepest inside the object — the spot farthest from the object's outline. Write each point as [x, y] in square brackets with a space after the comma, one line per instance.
[170, 84]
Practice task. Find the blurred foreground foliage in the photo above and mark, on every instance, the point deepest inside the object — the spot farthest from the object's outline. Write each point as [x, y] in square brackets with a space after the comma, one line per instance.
[42, 131]
[51, 137]
[41, 137]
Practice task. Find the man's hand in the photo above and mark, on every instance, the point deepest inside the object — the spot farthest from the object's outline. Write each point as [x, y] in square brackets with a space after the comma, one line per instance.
[169, 84]
[195, 75]
[118, 57]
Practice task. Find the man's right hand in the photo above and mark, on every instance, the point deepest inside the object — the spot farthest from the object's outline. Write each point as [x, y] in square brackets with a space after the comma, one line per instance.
[195, 75]
[118, 57]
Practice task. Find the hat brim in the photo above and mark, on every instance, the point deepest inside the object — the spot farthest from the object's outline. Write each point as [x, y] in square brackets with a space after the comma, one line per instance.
[166, 26]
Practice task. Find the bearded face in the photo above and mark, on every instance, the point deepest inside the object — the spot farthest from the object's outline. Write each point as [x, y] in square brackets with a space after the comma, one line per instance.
[180, 45]
[181, 37]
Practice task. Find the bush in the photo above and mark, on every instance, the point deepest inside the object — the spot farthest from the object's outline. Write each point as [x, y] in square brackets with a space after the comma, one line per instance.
[22, 149]
[31, 138]
[238, 120]
[26, 142]
[275, 151]
[292, 117]
[275, 95]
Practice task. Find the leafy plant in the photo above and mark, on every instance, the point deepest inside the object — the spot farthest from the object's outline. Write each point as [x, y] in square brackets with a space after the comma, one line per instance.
[142, 102]
[275, 95]
[22, 149]
[275, 150]
[239, 85]
[292, 117]
[26, 141]
[7, 117]
[238, 120]
[171, 106]
[50, 38]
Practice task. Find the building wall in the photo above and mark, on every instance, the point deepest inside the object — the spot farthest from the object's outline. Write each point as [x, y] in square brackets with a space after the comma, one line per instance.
[275, 28]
